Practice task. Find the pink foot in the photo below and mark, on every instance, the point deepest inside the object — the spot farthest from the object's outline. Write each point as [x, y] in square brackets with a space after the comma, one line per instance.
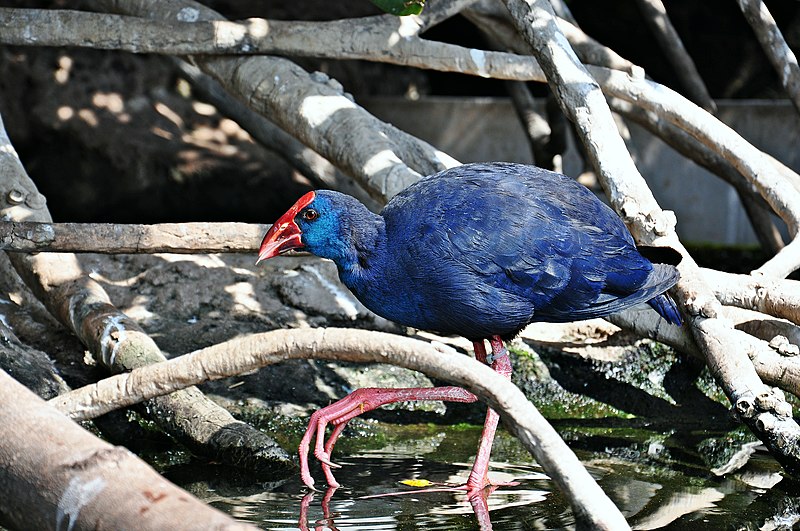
[367, 399]
[349, 407]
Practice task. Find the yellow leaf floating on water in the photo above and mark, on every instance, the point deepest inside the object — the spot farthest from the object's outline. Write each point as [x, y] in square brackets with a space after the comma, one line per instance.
[417, 482]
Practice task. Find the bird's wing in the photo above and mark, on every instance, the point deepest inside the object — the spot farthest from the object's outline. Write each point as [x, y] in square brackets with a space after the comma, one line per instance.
[540, 245]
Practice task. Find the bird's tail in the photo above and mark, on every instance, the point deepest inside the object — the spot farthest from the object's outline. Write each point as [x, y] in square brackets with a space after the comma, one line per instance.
[662, 278]
[666, 308]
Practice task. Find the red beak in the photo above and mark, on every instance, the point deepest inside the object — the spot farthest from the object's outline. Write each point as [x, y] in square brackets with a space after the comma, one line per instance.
[284, 235]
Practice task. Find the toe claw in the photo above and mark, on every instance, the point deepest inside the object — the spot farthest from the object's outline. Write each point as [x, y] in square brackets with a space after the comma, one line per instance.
[324, 458]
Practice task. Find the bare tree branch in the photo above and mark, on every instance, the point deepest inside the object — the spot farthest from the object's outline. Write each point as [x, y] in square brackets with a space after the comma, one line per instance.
[382, 38]
[778, 52]
[758, 211]
[777, 297]
[115, 340]
[251, 352]
[581, 98]
[200, 237]
[82, 482]
[655, 15]
[186, 238]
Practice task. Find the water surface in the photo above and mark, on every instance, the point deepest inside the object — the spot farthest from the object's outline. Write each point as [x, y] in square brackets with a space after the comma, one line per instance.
[659, 479]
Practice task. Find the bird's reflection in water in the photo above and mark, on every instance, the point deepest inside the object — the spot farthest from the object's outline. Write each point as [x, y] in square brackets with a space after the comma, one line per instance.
[479, 504]
[436, 504]
[327, 518]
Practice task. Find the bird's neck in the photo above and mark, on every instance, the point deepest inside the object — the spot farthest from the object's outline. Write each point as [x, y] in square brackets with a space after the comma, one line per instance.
[365, 252]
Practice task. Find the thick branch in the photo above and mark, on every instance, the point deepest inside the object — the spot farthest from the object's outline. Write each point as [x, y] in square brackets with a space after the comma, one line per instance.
[758, 211]
[777, 297]
[56, 475]
[29, 236]
[311, 107]
[251, 352]
[382, 38]
[778, 52]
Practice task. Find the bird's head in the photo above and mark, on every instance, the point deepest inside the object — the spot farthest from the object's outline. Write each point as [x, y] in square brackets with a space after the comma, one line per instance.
[321, 222]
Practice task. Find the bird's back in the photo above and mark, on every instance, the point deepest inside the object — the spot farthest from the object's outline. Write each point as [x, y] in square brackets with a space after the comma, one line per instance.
[485, 249]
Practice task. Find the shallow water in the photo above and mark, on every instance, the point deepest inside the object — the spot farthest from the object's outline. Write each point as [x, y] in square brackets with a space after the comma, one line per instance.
[658, 480]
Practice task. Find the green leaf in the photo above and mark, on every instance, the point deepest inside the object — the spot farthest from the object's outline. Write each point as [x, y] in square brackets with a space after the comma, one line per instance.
[400, 8]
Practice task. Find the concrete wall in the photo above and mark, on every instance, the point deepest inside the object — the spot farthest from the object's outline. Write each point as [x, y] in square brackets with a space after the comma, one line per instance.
[708, 210]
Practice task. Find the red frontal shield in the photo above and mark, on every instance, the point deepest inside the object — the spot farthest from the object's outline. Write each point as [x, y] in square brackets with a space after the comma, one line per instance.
[284, 235]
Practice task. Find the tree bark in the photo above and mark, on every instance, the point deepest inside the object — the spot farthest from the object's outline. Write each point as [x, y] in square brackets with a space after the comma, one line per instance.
[200, 237]
[56, 475]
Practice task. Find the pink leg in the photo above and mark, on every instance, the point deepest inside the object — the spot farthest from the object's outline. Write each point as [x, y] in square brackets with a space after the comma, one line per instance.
[479, 476]
[354, 404]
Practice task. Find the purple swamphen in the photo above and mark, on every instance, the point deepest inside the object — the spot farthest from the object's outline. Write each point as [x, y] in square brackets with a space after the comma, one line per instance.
[480, 251]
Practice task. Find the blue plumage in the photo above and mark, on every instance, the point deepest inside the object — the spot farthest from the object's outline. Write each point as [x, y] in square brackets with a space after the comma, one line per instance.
[484, 249]
[480, 250]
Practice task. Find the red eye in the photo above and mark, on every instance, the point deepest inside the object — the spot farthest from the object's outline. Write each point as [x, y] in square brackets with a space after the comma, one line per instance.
[310, 214]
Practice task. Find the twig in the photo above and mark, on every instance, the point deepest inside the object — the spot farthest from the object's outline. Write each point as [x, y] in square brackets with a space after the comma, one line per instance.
[251, 352]
[778, 52]
[655, 15]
